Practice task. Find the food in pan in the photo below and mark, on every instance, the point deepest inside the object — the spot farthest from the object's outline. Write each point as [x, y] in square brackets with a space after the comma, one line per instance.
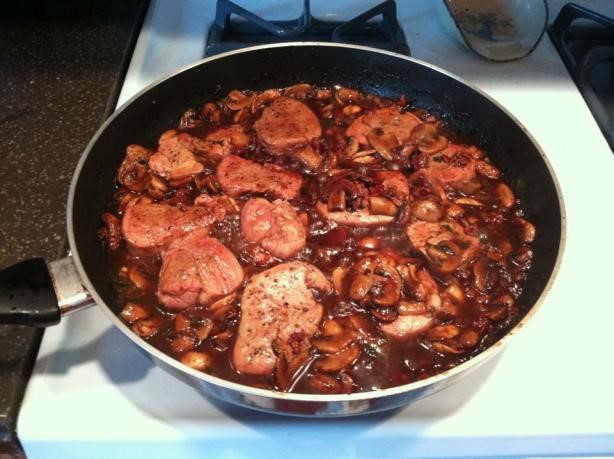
[315, 240]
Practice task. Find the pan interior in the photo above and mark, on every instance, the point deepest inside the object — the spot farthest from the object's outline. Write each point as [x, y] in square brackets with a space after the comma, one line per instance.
[475, 118]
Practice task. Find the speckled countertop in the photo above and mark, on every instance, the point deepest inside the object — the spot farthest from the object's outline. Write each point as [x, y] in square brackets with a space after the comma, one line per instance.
[61, 66]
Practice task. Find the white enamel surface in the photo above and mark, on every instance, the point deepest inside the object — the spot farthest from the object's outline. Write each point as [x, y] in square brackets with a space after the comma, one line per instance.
[549, 392]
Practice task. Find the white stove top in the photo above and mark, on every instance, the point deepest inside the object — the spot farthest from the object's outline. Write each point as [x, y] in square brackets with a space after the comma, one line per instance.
[549, 392]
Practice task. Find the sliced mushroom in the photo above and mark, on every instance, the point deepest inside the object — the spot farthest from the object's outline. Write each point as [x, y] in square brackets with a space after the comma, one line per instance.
[468, 339]
[298, 91]
[331, 327]
[447, 347]
[338, 277]
[308, 157]
[146, 328]
[360, 287]
[136, 276]
[370, 243]
[383, 143]
[468, 202]
[351, 110]
[336, 200]
[335, 343]
[441, 332]
[527, 229]
[382, 206]
[324, 384]
[133, 312]
[134, 168]
[264, 98]
[426, 210]
[197, 360]
[505, 195]
[338, 361]
[410, 308]
[220, 308]
[211, 112]
[182, 343]
[352, 147]
[112, 230]
[157, 187]
[346, 95]
[487, 170]
[385, 314]
[237, 100]
[323, 94]
[455, 291]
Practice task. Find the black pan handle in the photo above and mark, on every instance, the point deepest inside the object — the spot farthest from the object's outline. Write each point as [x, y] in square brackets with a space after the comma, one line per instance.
[27, 296]
[35, 293]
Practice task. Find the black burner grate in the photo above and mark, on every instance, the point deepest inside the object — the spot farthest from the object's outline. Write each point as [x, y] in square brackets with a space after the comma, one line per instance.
[227, 33]
[585, 41]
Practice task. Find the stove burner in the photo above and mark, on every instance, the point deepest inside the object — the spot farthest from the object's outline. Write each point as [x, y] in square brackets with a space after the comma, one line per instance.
[585, 41]
[226, 34]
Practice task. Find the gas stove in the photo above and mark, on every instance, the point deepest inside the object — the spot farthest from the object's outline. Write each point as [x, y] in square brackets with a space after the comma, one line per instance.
[548, 393]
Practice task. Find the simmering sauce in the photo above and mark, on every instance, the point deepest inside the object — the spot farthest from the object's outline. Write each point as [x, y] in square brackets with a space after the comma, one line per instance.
[422, 243]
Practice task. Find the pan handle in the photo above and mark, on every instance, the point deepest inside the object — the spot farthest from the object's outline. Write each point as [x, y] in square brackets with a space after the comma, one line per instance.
[35, 293]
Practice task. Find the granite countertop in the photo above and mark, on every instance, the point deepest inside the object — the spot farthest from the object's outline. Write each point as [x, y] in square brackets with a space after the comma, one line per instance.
[61, 67]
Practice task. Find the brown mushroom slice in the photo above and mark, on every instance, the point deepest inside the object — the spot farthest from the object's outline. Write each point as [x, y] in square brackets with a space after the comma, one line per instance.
[264, 98]
[423, 131]
[338, 276]
[426, 210]
[407, 325]
[411, 308]
[338, 361]
[136, 276]
[219, 309]
[388, 290]
[332, 327]
[134, 168]
[345, 95]
[336, 200]
[335, 343]
[157, 187]
[298, 91]
[441, 332]
[385, 314]
[133, 312]
[464, 201]
[197, 360]
[382, 206]
[361, 286]
[148, 327]
[371, 243]
[383, 143]
[505, 195]
[486, 169]
[447, 347]
[308, 157]
[527, 229]
[237, 100]
[434, 145]
[112, 231]
[468, 339]
[183, 343]
[351, 110]
[211, 112]
[324, 384]
[360, 217]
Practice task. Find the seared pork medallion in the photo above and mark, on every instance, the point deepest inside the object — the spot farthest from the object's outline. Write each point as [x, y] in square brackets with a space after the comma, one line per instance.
[315, 240]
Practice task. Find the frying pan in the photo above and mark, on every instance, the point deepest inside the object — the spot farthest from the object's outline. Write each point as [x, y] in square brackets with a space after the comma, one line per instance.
[30, 293]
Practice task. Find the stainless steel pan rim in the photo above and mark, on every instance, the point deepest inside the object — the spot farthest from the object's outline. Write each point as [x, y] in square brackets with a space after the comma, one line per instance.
[252, 391]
